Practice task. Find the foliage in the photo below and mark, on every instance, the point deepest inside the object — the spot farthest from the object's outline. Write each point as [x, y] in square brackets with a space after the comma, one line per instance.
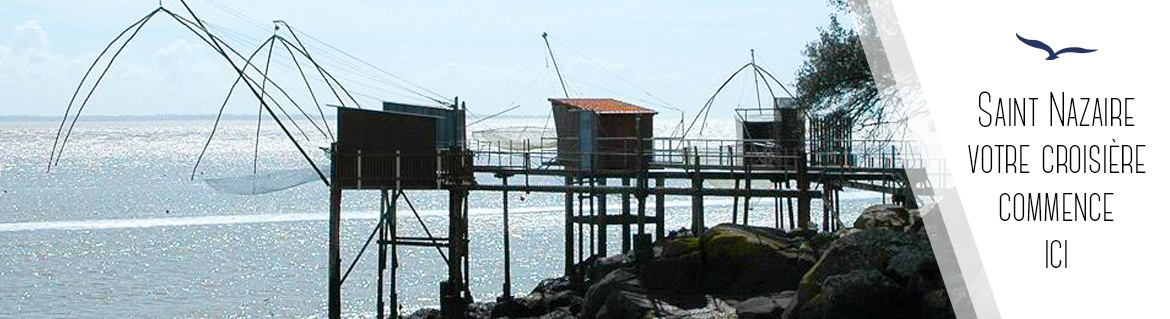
[836, 78]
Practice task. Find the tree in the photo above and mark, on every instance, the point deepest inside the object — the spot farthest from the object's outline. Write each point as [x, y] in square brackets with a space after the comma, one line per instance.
[836, 79]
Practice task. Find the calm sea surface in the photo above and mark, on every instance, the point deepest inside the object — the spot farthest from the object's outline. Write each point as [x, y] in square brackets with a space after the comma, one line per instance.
[120, 230]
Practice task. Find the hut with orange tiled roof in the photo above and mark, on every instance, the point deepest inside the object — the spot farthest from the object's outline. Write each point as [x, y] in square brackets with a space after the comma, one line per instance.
[602, 134]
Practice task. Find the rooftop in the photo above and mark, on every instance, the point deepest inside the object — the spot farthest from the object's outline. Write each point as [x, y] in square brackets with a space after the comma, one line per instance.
[604, 106]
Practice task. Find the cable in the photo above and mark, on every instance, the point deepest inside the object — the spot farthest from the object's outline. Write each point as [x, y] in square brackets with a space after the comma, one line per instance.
[82, 83]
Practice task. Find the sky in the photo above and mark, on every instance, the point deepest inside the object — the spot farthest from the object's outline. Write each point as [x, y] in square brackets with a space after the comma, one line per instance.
[661, 54]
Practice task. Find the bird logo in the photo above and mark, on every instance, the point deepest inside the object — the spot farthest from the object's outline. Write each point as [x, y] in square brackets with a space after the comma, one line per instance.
[1052, 55]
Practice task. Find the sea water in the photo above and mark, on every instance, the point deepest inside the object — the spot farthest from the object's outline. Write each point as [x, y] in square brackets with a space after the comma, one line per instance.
[120, 229]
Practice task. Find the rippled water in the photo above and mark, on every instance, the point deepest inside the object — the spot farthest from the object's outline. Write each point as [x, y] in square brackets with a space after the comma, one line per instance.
[119, 229]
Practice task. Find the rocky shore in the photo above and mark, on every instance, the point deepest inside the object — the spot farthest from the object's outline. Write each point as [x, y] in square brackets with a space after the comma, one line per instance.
[882, 267]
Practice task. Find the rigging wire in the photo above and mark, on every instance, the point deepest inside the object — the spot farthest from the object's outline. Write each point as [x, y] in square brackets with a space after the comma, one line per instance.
[616, 75]
[82, 83]
[216, 43]
[260, 109]
[99, 79]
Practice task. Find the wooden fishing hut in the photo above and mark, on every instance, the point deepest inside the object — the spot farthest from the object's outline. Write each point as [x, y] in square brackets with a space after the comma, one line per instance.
[601, 134]
[771, 136]
[599, 139]
[402, 147]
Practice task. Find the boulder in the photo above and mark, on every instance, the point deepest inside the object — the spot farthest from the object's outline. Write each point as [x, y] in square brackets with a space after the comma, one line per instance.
[883, 216]
[558, 314]
[677, 266]
[867, 273]
[426, 313]
[518, 308]
[621, 295]
[862, 293]
[748, 261]
[769, 306]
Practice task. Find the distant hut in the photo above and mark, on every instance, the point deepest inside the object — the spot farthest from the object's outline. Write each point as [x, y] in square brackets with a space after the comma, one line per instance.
[600, 134]
[771, 136]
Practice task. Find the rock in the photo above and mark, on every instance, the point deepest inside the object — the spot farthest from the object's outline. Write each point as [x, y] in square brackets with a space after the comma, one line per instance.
[937, 305]
[770, 306]
[480, 310]
[677, 266]
[518, 308]
[621, 295]
[550, 295]
[862, 274]
[426, 313]
[558, 314]
[600, 292]
[862, 293]
[552, 285]
[883, 216]
[746, 261]
[916, 216]
[597, 268]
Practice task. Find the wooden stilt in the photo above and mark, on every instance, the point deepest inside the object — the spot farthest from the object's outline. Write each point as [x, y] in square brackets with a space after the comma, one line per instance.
[568, 228]
[747, 185]
[507, 293]
[602, 234]
[392, 225]
[660, 210]
[381, 305]
[697, 200]
[334, 253]
[626, 215]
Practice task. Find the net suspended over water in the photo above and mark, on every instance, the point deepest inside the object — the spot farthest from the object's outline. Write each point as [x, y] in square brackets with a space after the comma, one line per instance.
[515, 138]
[264, 182]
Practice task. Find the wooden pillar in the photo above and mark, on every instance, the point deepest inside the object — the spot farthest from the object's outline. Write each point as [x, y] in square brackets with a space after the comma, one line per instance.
[697, 200]
[580, 226]
[641, 206]
[625, 216]
[660, 209]
[602, 234]
[507, 245]
[791, 210]
[392, 225]
[334, 251]
[735, 202]
[776, 207]
[803, 200]
[747, 197]
[826, 205]
[381, 305]
[568, 227]
[454, 304]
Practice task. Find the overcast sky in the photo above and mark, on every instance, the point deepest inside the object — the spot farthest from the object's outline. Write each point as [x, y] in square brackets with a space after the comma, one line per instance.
[489, 53]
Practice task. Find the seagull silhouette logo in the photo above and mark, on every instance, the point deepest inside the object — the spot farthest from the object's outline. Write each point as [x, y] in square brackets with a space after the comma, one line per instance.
[1052, 55]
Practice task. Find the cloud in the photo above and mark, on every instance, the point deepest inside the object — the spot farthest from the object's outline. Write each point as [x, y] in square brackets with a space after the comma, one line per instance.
[29, 36]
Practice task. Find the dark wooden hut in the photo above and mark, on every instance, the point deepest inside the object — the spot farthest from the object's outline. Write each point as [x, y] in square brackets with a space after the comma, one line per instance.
[385, 150]
[601, 134]
[450, 125]
[771, 136]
